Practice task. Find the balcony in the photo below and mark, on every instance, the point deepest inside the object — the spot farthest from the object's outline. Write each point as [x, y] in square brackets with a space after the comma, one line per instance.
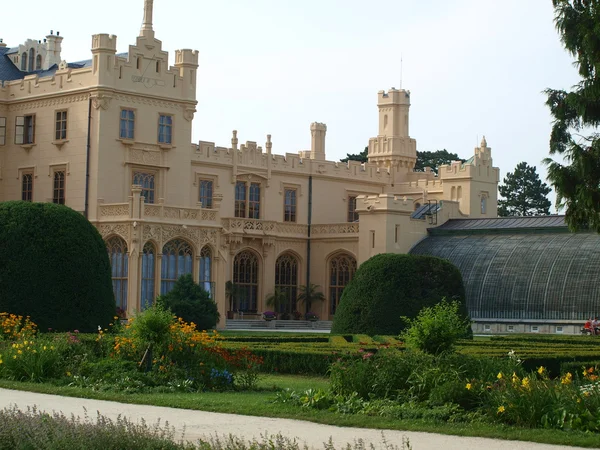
[335, 230]
[257, 227]
[158, 213]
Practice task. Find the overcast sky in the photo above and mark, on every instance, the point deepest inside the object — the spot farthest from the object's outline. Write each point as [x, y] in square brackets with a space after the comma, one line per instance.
[474, 67]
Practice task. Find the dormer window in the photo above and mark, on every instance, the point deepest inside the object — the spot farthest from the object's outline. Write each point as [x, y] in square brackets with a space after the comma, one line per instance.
[24, 62]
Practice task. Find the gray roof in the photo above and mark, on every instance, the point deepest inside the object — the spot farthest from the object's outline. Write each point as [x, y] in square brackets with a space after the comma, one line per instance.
[503, 223]
[541, 275]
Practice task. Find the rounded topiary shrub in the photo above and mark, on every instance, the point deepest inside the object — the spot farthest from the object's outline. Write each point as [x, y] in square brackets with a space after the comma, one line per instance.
[389, 286]
[54, 267]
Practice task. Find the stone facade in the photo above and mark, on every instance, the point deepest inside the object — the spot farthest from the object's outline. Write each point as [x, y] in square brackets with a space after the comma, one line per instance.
[111, 137]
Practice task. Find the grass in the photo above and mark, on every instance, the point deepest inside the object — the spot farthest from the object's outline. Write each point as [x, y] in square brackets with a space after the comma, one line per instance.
[260, 403]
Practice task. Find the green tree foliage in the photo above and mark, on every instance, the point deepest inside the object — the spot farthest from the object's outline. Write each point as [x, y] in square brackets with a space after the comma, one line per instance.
[434, 160]
[192, 303]
[310, 294]
[360, 157]
[424, 159]
[576, 113]
[389, 286]
[437, 328]
[54, 267]
[524, 193]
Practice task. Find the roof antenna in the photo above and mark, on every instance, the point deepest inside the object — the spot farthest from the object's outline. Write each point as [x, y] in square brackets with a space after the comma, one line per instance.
[401, 68]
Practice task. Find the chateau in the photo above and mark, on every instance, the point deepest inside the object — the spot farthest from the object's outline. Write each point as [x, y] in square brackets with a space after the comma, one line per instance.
[110, 137]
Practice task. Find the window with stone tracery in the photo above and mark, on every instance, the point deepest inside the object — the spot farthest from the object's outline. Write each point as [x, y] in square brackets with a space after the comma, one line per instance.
[205, 276]
[146, 181]
[245, 277]
[177, 260]
[119, 264]
[341, 272]
[286, 280]
[148, 275]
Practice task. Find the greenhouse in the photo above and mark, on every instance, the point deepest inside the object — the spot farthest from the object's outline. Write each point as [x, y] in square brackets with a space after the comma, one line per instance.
[527, 274]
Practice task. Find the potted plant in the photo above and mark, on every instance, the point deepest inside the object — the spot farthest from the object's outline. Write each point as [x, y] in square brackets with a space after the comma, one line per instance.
[231, 292]
[297, 315]
[269, 315]
[310, 294]
[311, 316]
[277, 299]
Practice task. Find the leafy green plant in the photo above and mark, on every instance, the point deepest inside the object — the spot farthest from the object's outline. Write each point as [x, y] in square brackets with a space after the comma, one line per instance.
[436, 329]
[192, 303]
[310, 294]
[277, 299]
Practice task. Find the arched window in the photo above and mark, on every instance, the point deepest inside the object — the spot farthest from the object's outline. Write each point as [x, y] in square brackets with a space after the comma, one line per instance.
[286, 280]
[341, 271]
[38, 62]
[205, 278]
[245, 277]
[119, 263]
[176, 261]
[24, 62]
[148, 271]
[31, 60]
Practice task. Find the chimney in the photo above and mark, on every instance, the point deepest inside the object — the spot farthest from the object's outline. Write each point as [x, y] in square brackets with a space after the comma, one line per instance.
[53, 49]
[2, 44]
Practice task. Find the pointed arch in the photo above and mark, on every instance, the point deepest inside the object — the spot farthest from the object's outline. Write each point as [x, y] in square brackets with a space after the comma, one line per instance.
[148, 275]
[341, 269]
[286, 280]
[31, 60]
[205, 278]
[24, 62]
[119, 264]
[38, 62]
[246, 277]
[177, 260]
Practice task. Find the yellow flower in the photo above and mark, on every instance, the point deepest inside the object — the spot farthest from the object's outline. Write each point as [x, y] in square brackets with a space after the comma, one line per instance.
[45, 348]
[541, 370]
[525, 383]
[515, 378]
[499, 376]
[468, 386]
[501, 409]
[567, 379]
[68, 374]
[0, 361]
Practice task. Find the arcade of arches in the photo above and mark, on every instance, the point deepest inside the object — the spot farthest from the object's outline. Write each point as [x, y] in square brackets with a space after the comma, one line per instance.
[160, 269]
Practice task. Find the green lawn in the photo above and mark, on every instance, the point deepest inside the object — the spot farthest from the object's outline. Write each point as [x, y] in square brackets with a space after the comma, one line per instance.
[260, 403]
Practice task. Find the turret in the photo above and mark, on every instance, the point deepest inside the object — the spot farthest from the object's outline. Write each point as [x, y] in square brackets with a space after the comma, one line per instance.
[186, 61]
[317, 141]
[104, 48]
[53, 49]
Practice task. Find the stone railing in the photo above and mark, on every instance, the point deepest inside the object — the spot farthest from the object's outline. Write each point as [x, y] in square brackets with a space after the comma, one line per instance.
[263, 227]
[114, 211]
[335, 229]
[175, 213]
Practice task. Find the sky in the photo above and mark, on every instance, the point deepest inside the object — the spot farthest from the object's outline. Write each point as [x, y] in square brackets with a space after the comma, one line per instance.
[473, 67]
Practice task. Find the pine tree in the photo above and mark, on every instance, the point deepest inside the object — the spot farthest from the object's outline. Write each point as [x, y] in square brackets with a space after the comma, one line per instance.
[524, 193]
[360, 157]
[577, 180]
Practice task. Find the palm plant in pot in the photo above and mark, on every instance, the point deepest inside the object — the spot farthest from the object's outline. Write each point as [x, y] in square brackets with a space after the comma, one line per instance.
[277, 299]
[309, 295]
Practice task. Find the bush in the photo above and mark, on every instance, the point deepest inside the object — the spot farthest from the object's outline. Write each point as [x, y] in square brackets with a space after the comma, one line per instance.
[436, 329]
[54, 267]
[389, 286]
[192, 303]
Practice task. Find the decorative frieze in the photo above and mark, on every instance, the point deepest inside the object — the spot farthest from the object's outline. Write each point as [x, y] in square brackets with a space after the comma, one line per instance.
[121, 209]
[336, 228]
[54, 101]
[120, 229]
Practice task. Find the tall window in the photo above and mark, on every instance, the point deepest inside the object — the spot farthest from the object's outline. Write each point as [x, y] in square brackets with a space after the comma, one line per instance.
[38, 62]
[2, 130]
[240, 199]
[254, 203]
[165, 129]
[24, 62]
[148, 270]
[341, 271]
[27, 187]
[205, 278]
[245, 277]
[146, 181]
[483, 205]
[31, 60]
[176, 261]
[206, 193]
[286, 280]
[243, 192]
[352, 214]
[119, 263]
[25, 130]
[127, 124]
[58, 195]
[289, 207]
[61, 126]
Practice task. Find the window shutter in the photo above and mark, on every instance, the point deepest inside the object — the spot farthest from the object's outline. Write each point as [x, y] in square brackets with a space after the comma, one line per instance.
[19, 130]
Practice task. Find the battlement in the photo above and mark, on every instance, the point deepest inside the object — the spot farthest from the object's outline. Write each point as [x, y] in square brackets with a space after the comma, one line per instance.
[393, 97]
[104, 42]
[385, 203]
[186, 57]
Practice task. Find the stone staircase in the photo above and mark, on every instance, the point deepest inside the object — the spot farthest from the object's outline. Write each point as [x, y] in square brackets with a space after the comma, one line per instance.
[323, 326]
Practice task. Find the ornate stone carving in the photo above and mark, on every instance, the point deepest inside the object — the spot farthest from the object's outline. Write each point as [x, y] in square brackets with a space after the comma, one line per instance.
[188, 114]
[63, 100]
[336, 228]
[114, 210]
[138, 156]
[152, 232]
[101, 101]
[106, 229]
[209, 215]
[152, 210]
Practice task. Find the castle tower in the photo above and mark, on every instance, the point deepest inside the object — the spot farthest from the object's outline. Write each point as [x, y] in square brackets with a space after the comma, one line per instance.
[104, 48]
[53, 49]
[317, 141]
[393, 148]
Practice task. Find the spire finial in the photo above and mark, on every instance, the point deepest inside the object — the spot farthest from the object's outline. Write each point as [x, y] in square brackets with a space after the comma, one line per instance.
[147, 25]
[484, 142]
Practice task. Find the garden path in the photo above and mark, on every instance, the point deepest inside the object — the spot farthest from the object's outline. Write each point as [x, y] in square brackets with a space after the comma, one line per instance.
[201, 423]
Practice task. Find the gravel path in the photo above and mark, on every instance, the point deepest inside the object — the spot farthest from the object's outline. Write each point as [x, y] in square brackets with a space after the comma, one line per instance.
[200, 423]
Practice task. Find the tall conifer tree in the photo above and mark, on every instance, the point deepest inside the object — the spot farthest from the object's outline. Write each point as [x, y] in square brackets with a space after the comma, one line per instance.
[524, 193]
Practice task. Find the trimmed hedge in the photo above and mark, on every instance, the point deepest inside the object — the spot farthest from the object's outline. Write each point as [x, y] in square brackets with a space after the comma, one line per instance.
[54, 267]
[389, 286]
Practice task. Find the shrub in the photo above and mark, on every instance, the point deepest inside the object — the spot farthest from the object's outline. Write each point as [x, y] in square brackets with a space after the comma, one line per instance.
[436, 329]
[192, 303]
[389, 286]
[54, 267]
